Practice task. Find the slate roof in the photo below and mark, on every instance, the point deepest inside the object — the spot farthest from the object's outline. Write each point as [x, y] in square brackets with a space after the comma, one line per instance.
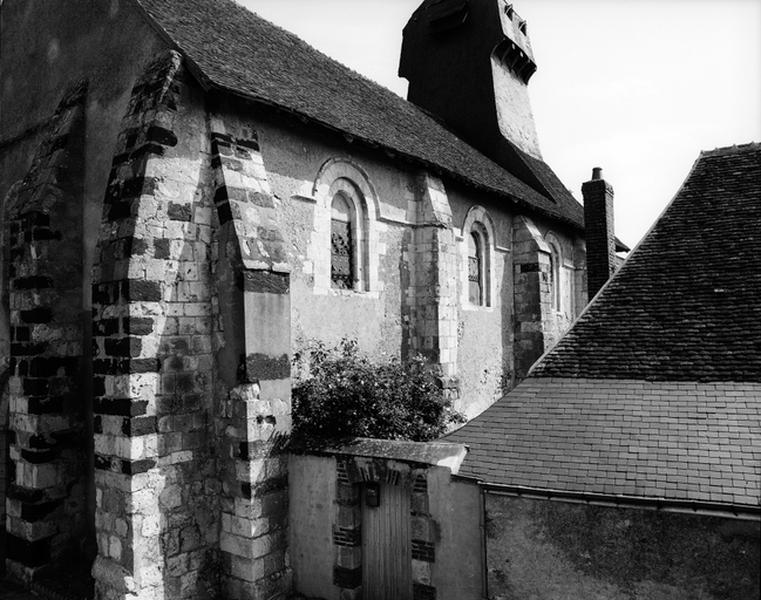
[655, 392]
[232, 49]
[697, 442]
[686, 304]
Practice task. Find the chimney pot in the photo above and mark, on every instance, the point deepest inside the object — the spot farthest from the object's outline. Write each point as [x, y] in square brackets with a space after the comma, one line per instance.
[596, 173]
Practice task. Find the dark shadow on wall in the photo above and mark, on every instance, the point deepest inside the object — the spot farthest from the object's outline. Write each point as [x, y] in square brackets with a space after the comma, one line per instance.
[540, 548]
[506, 292]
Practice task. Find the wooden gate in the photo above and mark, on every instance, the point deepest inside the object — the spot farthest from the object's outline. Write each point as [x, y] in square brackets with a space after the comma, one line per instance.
[386, 553]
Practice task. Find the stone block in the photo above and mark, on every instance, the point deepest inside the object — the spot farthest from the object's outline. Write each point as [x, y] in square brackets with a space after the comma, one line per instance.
[421, 572]
[246, 569]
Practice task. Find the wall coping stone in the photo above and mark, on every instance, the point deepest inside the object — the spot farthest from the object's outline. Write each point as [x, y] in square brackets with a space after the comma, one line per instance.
[441, 454]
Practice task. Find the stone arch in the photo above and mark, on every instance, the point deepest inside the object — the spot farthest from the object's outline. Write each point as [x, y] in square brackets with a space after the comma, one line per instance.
[343, 176]
[345, 168]
[478, 221]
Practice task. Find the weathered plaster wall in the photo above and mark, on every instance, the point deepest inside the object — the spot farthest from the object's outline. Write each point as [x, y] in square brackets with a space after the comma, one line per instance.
[294, 159]
[445, 527]
[312, 492]
[573, 290]
[485, 356]
[455, 506]
[514, 116]
[376, 318]
[547, 550]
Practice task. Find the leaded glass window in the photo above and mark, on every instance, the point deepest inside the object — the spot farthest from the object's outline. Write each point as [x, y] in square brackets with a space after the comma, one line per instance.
[475, 269]
[341, 244]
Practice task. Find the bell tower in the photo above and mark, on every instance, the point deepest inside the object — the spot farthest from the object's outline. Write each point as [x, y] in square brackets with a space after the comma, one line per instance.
[468, 63]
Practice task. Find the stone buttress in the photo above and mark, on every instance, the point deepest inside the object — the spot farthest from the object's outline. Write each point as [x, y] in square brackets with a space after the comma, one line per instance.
[46, 499]
[155, 477]
[432, 303]
[534, 322]
[253, 389]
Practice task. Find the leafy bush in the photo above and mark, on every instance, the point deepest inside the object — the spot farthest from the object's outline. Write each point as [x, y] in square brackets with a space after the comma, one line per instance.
[344, 395]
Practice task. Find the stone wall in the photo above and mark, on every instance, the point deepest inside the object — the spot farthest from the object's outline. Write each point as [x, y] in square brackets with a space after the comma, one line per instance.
[538, 323]
[165, 251]
[155, 477]
[415, 297]
[87, 46]
[46, 521]
[326, 514]
[551, 549]
[252, 367]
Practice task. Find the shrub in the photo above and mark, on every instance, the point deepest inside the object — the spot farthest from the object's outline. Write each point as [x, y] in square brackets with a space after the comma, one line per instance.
[345, 395]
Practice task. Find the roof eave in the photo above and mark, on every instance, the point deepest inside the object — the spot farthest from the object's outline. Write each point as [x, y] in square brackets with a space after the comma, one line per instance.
[725, 509]
[208, 84]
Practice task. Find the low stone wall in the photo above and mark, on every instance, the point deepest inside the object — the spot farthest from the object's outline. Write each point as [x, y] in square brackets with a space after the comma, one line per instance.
[546, 550]
[326, 545]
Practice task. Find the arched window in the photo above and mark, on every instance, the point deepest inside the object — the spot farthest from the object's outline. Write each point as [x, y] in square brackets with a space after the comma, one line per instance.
[345, 246]
[475, 269]
[343, 272]
[476, 254]
[555, 274]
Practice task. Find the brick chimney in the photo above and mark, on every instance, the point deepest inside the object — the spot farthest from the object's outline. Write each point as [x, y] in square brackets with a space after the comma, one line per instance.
[599, 233]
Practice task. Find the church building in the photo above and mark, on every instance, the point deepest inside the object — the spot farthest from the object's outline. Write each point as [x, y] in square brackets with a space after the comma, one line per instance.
[191, 195]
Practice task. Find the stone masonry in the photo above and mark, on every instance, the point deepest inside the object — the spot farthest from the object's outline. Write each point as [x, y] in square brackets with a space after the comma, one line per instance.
[253, 392]
[534, 321]
[46, 520]
[431, 304]
[156, 486]
[150, 286]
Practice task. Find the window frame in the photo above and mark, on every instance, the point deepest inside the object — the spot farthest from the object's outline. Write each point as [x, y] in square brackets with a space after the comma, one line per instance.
[351, 233]
[478, 224]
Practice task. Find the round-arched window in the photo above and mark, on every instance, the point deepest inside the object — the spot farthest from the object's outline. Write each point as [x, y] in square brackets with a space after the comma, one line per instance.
[342, 237]
[475, 269]
[556, 286]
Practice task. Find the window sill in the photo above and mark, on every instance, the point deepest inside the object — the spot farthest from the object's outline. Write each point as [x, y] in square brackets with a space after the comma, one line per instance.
[353, 293]
[477, 308]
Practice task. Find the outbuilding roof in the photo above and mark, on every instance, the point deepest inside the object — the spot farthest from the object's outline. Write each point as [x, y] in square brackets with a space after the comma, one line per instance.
[655, 392]
[234, 50]
[686, 305]
[689, 442]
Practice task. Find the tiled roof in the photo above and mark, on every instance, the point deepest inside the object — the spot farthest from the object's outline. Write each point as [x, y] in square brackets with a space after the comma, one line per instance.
[688, 442]
[235, 50]
[686, 305]
[656, 391]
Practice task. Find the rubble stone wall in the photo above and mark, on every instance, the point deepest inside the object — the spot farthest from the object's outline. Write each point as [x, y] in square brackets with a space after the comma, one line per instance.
[549, 549]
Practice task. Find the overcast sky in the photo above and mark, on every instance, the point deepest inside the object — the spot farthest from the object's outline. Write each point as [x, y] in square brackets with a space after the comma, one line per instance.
[637, 87]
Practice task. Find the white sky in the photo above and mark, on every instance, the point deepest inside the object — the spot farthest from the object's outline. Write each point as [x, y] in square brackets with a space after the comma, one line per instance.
[637, 87]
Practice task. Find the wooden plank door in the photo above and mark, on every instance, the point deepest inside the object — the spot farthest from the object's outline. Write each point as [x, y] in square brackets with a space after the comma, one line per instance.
[386, 553]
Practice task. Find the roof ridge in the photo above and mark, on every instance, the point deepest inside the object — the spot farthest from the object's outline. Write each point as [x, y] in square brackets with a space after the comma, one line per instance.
[220, 39]
[734, 148]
